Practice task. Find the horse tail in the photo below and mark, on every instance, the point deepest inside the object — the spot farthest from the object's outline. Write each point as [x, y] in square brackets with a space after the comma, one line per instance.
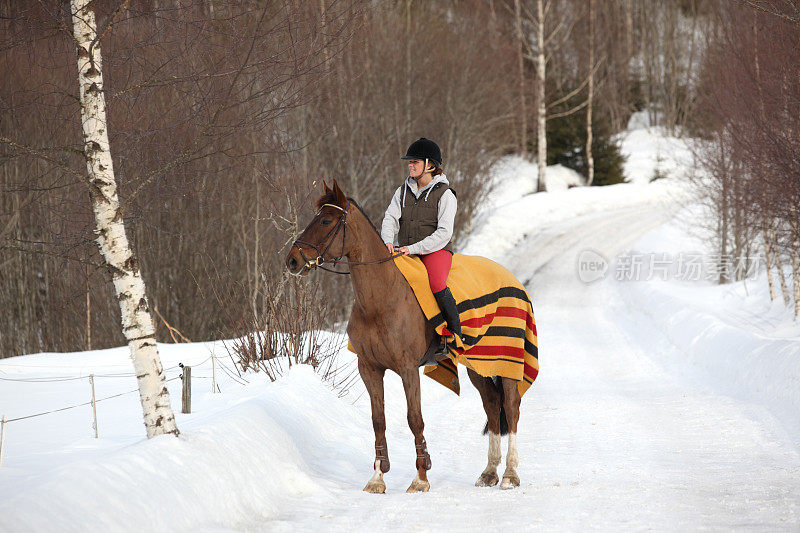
[498, 384]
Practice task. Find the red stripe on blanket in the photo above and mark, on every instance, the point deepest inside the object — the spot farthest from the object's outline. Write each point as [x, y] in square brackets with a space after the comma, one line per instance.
[513, 312]
[531, 372]
[531, 326]
[509, 351]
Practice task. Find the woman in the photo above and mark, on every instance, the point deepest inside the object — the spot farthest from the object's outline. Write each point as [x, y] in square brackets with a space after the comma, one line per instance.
[420, 220]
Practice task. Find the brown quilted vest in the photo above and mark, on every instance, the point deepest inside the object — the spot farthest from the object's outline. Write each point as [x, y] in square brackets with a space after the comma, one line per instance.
[419, 218]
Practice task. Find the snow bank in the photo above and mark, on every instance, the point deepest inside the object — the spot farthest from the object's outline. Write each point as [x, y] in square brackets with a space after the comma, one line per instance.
[514, 176]
[238, 463]
[745, 345]
[561, 178]
[651, 151]
[512, 210]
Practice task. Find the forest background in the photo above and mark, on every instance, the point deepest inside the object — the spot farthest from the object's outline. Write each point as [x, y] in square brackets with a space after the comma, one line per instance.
[225, 117]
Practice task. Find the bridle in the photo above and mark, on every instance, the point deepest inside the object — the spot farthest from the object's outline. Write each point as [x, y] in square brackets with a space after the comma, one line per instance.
[318, 261]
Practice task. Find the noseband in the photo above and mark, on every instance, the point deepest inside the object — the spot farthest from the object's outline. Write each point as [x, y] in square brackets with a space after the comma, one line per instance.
[320, 259]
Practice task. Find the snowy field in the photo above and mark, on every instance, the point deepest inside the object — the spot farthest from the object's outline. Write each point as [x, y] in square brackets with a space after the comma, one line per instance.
[662, 404]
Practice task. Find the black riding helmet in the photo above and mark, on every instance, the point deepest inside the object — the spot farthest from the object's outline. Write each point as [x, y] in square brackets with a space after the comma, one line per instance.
[424, 149]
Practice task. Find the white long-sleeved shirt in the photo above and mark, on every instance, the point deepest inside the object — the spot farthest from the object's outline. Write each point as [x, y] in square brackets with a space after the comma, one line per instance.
[448, 204]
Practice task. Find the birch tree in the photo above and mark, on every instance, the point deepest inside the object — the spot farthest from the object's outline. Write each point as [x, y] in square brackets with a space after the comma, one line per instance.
[523, 130]
[137, 322]
[590, 98]
[540, 53]
[541, 110]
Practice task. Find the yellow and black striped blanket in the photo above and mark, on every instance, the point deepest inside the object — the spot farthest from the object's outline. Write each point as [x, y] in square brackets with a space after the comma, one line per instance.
[498, 331]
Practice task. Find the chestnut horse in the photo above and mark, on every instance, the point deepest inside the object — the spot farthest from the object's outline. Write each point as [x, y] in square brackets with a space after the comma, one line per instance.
[389, 331]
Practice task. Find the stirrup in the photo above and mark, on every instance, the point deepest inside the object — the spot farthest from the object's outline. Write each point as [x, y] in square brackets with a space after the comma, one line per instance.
[435, 352]
[441, 348]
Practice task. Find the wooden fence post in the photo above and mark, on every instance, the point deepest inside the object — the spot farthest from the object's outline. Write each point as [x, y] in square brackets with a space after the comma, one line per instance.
[213, 373]
[186, 397]
[94, 405]
[2, 437]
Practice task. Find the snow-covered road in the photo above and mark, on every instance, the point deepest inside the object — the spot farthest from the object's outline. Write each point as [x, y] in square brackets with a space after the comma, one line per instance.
[618, 433]
[610, 437]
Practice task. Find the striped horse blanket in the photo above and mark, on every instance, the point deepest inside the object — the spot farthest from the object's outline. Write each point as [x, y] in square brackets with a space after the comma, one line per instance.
[498, 331]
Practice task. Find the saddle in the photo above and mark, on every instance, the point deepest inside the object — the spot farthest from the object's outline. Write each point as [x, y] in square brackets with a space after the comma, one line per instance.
[498, 331]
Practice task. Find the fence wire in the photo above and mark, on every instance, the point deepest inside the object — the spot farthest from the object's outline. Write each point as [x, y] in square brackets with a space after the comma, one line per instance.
[79, 404]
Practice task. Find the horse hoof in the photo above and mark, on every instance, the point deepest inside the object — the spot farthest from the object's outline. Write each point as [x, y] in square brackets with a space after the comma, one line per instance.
[509, 482]
[487, 480]
[419, 486]
[375, 487]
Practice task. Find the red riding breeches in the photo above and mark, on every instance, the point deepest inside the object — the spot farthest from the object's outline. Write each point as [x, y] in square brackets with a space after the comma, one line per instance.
[438, 266]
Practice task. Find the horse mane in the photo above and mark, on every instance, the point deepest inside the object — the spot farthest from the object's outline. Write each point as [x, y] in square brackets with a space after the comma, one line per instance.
[375, 229]
[330, 198]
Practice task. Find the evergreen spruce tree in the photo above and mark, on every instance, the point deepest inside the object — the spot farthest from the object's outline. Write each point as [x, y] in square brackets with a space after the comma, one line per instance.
[566, 145]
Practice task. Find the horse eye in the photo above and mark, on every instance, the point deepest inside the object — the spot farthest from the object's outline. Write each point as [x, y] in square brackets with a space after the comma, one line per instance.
[326, 222]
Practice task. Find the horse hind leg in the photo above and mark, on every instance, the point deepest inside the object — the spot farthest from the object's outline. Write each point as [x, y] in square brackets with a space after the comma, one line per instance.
[492, 404]
[511, 404]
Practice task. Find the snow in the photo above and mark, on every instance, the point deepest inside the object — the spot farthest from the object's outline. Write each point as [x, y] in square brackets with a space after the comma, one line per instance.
[505, 222]
[650, 151]
[514, 176]
[560, 178]
[747, 344]
[663, 404]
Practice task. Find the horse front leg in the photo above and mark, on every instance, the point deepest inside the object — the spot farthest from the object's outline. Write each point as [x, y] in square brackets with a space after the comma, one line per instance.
[414, 402]
[373, 380]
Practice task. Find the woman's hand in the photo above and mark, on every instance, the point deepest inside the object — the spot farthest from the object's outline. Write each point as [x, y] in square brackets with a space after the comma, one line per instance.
[390, 246]
[403, 250]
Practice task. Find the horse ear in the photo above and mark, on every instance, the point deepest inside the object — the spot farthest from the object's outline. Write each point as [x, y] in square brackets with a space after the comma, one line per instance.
[341, 197]
[325, 185]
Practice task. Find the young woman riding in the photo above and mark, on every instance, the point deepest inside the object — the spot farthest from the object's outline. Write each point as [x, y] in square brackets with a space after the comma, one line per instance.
[420, 220]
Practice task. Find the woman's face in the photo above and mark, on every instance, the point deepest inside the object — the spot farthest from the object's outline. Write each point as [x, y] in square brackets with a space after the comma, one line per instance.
[416, 167]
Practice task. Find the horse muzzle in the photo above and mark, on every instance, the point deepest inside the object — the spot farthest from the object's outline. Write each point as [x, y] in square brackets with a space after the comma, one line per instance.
[297, 264]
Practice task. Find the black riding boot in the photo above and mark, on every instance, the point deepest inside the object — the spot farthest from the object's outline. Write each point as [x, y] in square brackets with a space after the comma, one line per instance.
[439, 350]
[450, 311]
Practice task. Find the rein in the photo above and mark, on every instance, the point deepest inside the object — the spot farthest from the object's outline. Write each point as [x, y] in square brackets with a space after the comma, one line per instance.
[319, 260]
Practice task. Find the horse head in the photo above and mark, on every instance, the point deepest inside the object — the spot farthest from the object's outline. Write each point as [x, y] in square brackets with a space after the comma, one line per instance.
[323, 240]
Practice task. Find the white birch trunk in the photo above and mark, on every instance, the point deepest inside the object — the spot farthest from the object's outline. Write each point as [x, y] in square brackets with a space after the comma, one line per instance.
[776, 256]
[590, 98]
[796, 262]
[137, 323]
[796, 275]
[408, 72]
[523, 148]
[541, 114]
[796, 233]
[323, 27]
[628, 38]
[768, 256]
[765, 202]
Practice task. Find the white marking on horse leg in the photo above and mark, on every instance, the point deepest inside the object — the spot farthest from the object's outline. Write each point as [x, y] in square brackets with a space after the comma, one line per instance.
[512, 459]
[419, 485]
[376, 483]
[378, 473]
[489, 476]
[510, 478]
[494, 451]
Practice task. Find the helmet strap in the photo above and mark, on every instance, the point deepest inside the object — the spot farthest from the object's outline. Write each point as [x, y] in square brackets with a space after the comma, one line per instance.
[424, 170]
